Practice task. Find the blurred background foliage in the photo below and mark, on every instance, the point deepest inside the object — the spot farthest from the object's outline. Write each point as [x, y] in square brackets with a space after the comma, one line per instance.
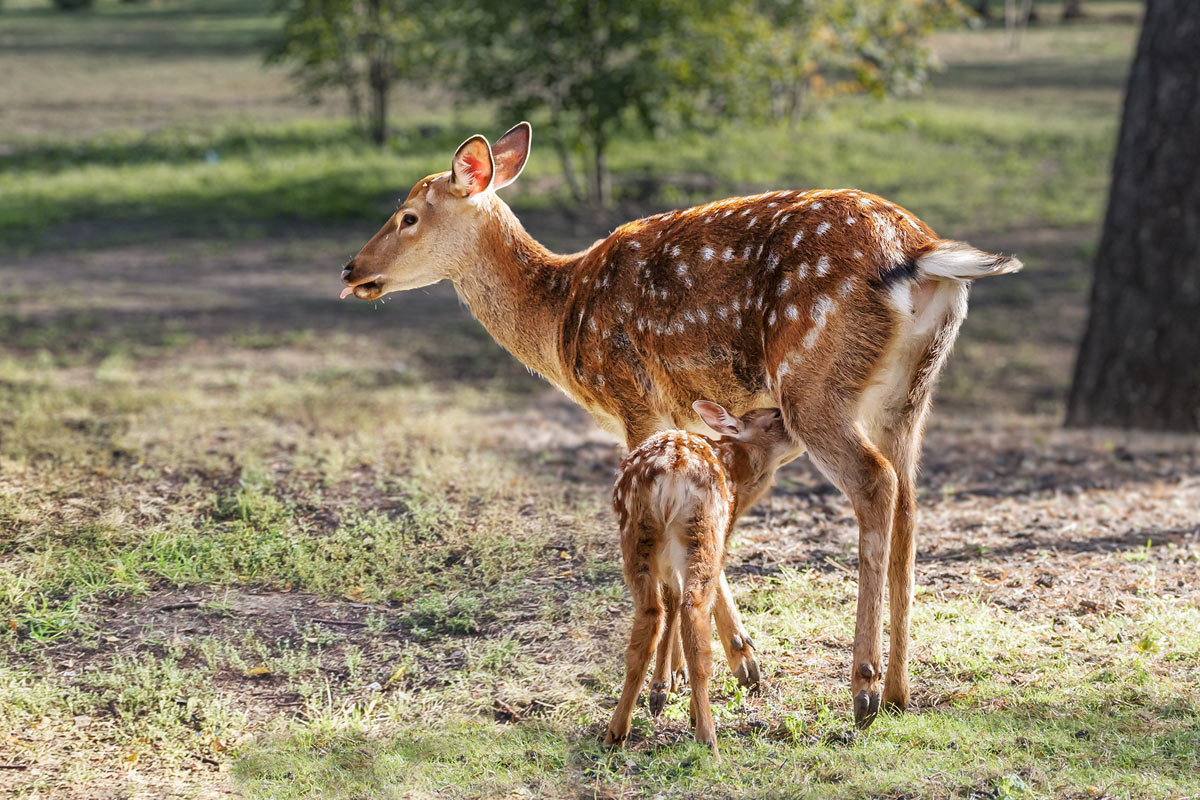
[590, 70]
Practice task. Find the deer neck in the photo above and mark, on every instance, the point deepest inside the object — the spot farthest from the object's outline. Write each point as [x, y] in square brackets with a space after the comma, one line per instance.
[518, 290]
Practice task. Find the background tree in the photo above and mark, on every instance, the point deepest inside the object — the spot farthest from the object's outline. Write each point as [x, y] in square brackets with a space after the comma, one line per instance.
[1139, 365]
[591, 68]
[358, 46]
[1072, 9]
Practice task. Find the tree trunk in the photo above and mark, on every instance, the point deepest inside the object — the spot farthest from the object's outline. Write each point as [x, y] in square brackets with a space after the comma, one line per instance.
[1072, 10]
[601, 193]
[380, 84]
[1139, 364]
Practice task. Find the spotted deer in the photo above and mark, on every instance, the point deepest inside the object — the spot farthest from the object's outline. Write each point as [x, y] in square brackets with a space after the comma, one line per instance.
[838, 307]
[677, 496]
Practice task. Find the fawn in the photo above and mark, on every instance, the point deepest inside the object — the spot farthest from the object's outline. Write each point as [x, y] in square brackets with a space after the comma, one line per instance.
[838, 307]
[677, 496]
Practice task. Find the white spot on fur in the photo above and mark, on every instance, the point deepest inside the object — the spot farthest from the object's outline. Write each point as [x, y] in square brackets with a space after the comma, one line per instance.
[772, 261]
[702, 315]
[824, 226]
[792, 313]
[802, 272]
[675, 251]
[847, 287]
[681, 269]
[635, 244]
[784, 285]
[753, 220]
[771, 319]
[727, 254]
[850, 220]
[822, 265]
[722, 312]
[706, 253]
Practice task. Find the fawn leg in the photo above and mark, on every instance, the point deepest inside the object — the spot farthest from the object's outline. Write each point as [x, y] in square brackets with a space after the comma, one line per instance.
[696, 627]
[647, 628]
[661, 683]
[739, 650]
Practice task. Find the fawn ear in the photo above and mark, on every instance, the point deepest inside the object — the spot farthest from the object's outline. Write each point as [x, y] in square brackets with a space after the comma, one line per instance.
[472, 168]
[510, 152]
[717, 418]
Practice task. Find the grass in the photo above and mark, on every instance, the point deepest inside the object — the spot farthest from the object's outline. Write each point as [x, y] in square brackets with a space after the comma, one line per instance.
[255, 542]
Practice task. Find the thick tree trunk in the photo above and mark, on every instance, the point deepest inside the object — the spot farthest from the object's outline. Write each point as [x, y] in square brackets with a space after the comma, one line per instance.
[1139, 365]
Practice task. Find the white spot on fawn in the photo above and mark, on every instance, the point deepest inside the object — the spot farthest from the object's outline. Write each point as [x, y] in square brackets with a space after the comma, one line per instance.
[681, 269]
[675, 251]
[792, 313]
[796, 239]
[824, 226]
[753, 220]
[802, 272]
[850, 220]
[772, 261]
[706, 253]
[635, 244]
[784, 285]
[822, 265]
[847, 287]
[727, 254]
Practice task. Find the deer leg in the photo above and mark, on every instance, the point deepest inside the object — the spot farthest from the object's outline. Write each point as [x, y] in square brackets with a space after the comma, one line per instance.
[662, 682]
[855, 466]
[696, 627]
[739, 650]
[647, 628]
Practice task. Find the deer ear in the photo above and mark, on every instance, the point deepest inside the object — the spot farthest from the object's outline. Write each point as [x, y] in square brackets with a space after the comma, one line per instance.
[472, 168]
[510, 152]
[717, 418]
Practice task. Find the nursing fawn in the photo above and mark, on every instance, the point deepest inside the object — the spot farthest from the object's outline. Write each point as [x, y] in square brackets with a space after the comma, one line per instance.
[677, 497]
[836, 306]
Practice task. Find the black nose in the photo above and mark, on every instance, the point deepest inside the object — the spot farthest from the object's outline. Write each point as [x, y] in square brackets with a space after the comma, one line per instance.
[346, 270]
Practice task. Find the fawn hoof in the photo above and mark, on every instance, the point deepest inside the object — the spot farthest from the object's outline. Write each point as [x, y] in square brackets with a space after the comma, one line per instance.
[747, 673]
[614, 738]
[678, 679]
[658, 698]
[866, 707]
[895, 701]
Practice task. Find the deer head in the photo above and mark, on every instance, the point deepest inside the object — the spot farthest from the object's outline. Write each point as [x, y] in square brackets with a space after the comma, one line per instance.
[438, 230]
[752, 447]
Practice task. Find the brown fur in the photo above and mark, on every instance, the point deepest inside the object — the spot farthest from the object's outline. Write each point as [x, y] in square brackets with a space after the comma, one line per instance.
[816, 302]
[680, 489]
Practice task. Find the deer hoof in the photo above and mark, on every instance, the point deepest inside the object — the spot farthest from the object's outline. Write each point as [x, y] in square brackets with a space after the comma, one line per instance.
[614, 739]
[658, 699]
[747, 673]
[866, 707]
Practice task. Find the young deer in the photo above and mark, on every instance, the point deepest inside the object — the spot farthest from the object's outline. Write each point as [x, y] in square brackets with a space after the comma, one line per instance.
[677, 496]
[837, 307]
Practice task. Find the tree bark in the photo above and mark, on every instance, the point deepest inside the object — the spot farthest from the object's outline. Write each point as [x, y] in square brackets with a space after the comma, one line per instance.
[1139, 364]
[1072, 10]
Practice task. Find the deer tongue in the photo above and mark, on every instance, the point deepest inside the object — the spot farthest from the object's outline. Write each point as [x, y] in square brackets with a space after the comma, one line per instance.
[346, 293]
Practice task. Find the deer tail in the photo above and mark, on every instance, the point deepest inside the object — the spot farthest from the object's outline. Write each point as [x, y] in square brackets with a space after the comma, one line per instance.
[948, 259]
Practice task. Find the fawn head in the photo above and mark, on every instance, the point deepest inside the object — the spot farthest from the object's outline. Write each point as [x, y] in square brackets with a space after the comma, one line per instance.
[436, 233]
[752, 447]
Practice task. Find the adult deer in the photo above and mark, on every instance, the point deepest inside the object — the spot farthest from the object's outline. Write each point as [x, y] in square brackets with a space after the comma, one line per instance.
[838, 307]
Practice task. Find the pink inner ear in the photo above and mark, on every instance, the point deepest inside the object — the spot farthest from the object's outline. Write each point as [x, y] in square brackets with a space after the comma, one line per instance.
[475, 168]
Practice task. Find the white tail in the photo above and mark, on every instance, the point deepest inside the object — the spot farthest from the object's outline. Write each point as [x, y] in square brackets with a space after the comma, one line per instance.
[961, 262]
[677, 496]
[838, 307]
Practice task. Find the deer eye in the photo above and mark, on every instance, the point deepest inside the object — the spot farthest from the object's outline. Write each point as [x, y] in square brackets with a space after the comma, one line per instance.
[409, 219]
